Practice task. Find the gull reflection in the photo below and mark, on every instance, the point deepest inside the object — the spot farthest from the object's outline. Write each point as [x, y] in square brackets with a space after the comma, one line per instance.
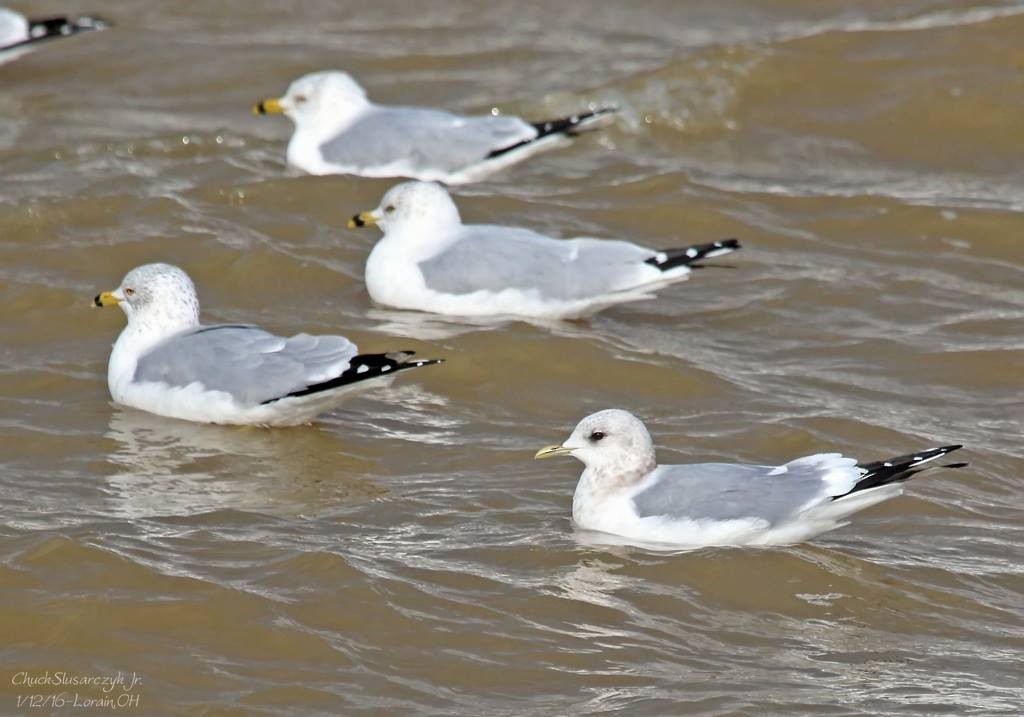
[430, 327]
[434, 327]
[170, 467]
[593, 581]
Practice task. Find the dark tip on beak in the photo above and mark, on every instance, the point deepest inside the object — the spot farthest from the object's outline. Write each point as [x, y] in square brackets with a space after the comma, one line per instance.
[357, 221]
[259, 109]
[96, 301]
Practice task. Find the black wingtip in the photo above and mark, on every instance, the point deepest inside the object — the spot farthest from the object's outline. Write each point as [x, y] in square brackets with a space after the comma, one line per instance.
[901, 468]
[419, 362]
[689, 256]
[363, 368]
[49, 28]
[91, 22]
[569, 126]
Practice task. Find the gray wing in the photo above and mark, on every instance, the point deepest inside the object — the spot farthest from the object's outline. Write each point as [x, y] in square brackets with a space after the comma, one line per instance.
[492, 258]
[245, 361]
[426, 139]
[724, 491]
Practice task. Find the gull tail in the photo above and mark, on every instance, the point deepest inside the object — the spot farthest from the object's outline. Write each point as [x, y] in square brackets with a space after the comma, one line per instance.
[569, 126]
[899, 469]
[688, 256]
[363, 368]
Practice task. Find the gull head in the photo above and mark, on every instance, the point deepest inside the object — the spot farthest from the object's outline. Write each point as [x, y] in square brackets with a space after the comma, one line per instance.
[158, 296]
[613, 444]
[322, 97]
[418, 205]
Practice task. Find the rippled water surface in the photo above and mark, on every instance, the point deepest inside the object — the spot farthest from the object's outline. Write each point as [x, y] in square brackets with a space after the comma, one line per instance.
[405, 556]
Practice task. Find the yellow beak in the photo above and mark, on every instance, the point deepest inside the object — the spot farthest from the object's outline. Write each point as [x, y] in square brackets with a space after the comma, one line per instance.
[363, 219]
[107, 298]
[551, 451]
[270, 106]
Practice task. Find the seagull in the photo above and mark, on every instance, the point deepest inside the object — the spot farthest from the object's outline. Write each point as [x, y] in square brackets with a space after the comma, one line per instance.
[338, 130]
[623, 490]
[19, 35]
[166, 362]
[429, 260]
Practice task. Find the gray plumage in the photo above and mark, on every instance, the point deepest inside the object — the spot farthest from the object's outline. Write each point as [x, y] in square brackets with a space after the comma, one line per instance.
[245, 361]
[426, 139]
[724, 491]
[494, 258]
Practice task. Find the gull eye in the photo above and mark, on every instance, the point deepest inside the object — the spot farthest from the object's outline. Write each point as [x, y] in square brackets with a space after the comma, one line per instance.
[129, 292]
[389, 209]
[300, 99]
[596, 436]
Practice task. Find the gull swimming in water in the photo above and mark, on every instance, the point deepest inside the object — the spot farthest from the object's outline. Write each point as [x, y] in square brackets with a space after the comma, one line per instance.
[623, 490]
[429, 260]
[20, 35]
[338, 130]
[167, 363]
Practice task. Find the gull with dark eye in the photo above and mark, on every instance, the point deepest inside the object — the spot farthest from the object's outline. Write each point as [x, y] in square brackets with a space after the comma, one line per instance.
[338, 130]
[624, 492]
[167, 363]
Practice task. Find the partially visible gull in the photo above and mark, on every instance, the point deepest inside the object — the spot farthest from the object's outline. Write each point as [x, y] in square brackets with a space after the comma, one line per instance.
[429, 260]
[338, 130]
[623, 491]
[19, 35]
[167, 363]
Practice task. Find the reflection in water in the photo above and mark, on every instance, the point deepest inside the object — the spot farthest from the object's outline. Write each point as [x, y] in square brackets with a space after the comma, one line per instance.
[405, 411]
[435, 327]
[431, 327]
[621, 545]
[172, 467]
[592, 581]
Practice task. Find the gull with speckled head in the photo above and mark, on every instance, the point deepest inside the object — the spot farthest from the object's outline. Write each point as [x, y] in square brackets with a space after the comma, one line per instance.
[20, 35]
[167, 363]
[429, 260]
[624, 492]
[338, 130]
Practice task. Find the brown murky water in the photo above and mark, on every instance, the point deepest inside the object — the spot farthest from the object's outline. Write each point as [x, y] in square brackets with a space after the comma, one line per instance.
[406, 556]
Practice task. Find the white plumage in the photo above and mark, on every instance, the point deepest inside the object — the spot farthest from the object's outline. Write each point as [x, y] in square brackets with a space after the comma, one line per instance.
[166, 362]
[624, 492]
[428, 260]
[338, 130]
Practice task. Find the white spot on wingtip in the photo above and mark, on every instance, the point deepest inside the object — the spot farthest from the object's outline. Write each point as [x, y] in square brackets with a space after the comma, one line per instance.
[385, 369]
[363, 369]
